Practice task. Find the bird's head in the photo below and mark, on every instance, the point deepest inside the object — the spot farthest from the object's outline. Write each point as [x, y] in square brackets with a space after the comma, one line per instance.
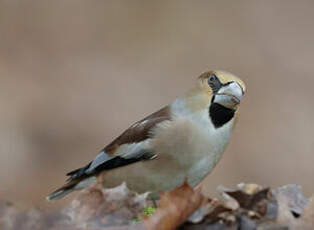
[222, 88]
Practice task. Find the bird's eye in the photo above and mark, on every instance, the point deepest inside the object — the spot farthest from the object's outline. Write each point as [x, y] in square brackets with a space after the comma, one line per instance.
[212, 78]
[214, 83]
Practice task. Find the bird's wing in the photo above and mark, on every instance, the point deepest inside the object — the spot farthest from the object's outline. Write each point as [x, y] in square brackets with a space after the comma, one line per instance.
[131, 146]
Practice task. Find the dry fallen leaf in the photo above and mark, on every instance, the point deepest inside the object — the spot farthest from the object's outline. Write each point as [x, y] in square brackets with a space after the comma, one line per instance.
[293, 197]
[174, 208]
[99, 207]
[307, 219]
[248, 207]
[94, 209]
[294, 210]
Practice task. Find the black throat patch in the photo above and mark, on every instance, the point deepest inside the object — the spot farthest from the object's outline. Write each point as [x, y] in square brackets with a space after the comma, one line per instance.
[220, 115]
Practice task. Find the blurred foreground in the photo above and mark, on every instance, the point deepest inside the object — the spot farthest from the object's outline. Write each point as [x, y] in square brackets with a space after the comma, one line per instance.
[248, 207]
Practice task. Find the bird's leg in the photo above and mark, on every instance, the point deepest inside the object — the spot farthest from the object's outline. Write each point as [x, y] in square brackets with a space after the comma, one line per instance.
[154, 201]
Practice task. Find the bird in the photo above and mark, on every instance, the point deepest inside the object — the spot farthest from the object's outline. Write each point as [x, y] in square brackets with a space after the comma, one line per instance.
[182, 141]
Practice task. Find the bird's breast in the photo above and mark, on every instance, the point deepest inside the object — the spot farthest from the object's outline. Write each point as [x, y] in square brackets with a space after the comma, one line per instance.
[193, 146]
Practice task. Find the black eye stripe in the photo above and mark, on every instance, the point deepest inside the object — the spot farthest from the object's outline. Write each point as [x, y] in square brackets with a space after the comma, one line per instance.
[212, 77]
[214, 83]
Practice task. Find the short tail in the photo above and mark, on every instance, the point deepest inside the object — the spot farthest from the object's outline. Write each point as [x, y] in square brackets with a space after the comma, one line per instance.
[70, 187]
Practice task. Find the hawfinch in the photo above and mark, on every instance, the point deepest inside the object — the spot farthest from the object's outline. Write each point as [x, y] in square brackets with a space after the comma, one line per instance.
[185, 139]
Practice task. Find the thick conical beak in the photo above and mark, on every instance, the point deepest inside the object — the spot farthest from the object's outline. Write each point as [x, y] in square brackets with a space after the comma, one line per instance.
[229, 95]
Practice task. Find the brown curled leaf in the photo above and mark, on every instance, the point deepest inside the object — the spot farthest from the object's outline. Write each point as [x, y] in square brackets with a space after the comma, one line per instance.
[174, 208]
[248, 201]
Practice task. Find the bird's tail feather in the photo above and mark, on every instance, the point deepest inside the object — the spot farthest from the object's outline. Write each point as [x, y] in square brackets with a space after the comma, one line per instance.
[61, 192]
[70, 187]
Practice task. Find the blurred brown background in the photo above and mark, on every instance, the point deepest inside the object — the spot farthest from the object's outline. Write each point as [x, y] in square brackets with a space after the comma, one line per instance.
[75, 73]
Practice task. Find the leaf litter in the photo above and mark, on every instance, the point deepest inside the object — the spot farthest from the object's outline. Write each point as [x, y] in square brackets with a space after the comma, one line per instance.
[249, 206]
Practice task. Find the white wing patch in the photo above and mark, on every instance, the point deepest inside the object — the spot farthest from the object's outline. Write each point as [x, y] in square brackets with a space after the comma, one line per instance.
[133, 150]
[126, 151]
[99, 159]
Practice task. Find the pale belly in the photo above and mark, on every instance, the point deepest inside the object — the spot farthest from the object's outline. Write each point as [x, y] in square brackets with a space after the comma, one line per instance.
[190, 154]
